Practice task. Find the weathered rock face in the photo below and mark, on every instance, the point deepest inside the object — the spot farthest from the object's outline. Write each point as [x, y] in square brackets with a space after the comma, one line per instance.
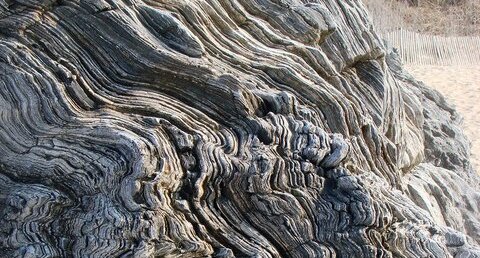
[222, 128]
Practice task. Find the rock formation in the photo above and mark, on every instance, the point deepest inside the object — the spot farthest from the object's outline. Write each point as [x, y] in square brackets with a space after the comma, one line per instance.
[223, 128]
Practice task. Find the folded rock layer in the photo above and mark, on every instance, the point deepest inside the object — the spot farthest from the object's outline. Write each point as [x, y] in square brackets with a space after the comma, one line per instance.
[224, 128]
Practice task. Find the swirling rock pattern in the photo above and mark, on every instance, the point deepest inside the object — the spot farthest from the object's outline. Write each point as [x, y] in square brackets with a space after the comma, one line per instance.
[223, 128]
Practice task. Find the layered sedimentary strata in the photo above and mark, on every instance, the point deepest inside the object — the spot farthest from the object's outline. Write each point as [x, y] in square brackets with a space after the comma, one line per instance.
[222, 128]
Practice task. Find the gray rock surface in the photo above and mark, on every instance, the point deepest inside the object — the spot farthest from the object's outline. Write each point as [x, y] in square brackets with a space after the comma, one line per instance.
[223, 128]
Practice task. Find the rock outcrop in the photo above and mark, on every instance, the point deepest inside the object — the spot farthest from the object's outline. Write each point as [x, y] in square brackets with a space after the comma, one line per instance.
[263, 128]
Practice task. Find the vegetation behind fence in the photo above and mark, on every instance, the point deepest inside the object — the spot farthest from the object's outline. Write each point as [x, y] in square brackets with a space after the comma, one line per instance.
[432, 32]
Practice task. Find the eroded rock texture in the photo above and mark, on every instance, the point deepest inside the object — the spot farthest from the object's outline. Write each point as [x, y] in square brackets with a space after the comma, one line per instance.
[247, 128]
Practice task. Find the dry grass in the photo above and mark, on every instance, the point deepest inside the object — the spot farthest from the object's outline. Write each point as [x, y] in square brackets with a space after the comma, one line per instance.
[438, 17]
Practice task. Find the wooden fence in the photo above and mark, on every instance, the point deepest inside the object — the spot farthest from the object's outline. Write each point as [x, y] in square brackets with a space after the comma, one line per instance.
[422, 49]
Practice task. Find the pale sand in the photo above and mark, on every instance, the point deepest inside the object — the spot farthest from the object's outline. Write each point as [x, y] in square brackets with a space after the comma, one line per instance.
[461, 87]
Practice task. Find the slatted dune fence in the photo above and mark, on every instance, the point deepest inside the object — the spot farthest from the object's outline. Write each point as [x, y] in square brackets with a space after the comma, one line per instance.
[423, 49]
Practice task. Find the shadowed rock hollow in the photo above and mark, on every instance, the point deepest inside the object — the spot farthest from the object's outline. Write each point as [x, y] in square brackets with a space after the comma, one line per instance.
[222, 128]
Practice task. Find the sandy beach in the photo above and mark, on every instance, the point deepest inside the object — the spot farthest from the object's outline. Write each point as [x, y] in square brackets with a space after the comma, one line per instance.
[461, 86]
